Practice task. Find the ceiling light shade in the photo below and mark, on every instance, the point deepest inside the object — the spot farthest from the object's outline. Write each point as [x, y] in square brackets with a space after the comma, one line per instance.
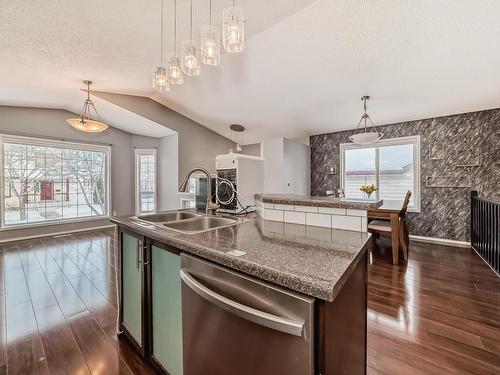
[190, 58]
[175, 72]
[210, 45]
[361, 135]
[84, 123]
[233, 29]
[161, 81]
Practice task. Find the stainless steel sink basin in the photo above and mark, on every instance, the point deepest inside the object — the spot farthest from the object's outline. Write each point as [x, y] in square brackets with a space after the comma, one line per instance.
[165, 217]
[200, 224]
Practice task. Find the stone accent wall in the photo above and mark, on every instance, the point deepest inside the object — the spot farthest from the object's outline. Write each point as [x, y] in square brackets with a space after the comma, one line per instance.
[445, 211]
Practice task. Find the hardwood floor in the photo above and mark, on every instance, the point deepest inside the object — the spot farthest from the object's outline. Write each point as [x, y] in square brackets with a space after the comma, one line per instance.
[438, 315]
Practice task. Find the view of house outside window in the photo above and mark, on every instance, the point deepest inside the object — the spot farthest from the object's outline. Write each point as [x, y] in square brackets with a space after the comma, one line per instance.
[391, 165]
[48, 181]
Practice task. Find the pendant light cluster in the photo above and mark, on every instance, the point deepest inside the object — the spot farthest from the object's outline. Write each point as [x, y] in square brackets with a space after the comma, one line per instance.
[206, 50]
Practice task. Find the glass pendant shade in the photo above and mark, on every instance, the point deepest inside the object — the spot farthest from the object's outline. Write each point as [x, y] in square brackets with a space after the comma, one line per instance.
[87, 125]
[175, 72]
[191, 58]
[84, 123]
[362, 135]
[210, 45]
[161, 80]
[233, 31]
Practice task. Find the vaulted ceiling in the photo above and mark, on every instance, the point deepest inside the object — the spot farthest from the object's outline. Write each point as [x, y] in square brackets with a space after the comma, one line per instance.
[306, 65]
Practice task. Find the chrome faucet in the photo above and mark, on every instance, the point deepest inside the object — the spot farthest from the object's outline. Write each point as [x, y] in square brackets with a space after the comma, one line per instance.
[211, 207]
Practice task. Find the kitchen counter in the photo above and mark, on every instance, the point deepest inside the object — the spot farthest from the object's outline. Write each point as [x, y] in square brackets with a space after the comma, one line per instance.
[311, 260]
[329, 202]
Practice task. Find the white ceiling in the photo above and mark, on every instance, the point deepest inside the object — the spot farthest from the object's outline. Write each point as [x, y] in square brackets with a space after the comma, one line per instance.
[306, 65]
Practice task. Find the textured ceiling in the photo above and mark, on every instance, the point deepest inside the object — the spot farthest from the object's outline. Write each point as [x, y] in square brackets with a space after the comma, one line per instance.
[306, 65]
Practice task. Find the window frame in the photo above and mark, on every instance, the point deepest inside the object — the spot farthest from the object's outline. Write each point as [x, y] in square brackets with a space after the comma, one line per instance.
[48, 142]
[413, 140]
[137, 153]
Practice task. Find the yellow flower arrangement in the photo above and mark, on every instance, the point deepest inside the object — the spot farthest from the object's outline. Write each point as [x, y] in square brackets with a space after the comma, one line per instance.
[368, 189]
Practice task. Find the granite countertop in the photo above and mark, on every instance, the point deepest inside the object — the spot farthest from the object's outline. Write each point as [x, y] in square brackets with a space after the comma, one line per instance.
[304, 200]
[310, 260]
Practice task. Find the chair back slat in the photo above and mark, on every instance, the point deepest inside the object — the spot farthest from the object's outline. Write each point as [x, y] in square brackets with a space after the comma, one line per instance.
[402, 213]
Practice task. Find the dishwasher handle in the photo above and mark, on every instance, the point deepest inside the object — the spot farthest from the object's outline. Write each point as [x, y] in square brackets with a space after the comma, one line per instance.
[262, 318]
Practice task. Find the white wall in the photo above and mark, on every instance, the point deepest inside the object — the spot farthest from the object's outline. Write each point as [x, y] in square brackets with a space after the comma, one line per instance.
[297, 167]
[168, 182]
[287, 166]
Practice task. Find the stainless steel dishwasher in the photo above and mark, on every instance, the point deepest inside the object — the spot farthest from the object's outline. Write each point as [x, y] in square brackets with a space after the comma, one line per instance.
[234, 324]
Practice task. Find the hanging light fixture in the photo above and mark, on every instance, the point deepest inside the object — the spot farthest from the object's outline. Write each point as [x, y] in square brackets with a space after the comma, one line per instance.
[239, 129]
[161, 80]
[363, 136]
[233, 29]
[84, 123]
[174, 66]
[210, 42]
[191, 56]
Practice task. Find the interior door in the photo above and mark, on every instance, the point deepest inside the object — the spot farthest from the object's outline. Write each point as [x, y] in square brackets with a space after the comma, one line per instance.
[132, 289]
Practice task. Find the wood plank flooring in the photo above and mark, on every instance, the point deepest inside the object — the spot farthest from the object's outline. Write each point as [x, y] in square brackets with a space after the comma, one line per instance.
[440, 314]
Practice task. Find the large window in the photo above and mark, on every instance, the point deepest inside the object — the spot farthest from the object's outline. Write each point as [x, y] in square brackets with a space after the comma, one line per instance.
[50, 181]
[393, 165]
[145, 181]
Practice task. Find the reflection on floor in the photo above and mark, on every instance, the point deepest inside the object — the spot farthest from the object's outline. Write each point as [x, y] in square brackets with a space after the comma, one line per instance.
[438, 315]
[59, 308]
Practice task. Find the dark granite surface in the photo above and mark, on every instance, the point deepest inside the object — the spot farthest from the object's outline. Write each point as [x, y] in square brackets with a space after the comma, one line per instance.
[303, 200]
[311, 260]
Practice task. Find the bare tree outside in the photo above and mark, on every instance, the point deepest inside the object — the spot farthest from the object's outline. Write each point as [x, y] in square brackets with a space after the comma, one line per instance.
[49, 183]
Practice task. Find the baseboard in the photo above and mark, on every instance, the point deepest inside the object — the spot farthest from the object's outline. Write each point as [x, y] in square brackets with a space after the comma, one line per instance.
[57, 233]
[441, 241]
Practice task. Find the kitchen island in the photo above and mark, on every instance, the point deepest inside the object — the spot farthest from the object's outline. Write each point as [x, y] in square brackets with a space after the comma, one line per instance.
[324, 265]
[328, 212]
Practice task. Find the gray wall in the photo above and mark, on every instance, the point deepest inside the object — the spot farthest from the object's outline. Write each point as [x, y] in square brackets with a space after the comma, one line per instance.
[198, 145]
[444, 211]
[52, 123]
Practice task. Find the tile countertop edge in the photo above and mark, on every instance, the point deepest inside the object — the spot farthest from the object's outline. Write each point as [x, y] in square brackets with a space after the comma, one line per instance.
[271, 275]
[318, 201]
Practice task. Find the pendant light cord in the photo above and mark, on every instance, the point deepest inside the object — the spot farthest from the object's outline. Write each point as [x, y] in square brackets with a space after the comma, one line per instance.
[175, 28]
[191, 20]
[161, 36]
[210, 13]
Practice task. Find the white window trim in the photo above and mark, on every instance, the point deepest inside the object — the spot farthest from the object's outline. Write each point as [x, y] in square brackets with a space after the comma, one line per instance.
[144, 151]
[414, 139]
[6, 138]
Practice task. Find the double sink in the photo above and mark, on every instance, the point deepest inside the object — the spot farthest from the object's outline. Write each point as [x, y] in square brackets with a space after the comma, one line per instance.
[188, 222]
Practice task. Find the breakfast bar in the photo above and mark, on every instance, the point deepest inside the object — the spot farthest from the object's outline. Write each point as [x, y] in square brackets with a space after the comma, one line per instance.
[327, 212]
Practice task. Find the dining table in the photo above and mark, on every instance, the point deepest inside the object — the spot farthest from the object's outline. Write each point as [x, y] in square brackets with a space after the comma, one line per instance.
[390, 210]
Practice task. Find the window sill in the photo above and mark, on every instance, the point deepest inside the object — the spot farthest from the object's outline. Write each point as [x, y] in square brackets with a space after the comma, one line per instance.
[51, 223]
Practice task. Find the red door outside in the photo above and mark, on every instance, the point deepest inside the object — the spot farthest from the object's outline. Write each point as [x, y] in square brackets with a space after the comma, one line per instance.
[46, 190]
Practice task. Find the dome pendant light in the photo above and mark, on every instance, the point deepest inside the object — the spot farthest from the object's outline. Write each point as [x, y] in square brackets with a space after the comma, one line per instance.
[191, 56]
[84, 123]
[233, 31]
[161, 80]
[210, 42]
[174, 66]
[365, 137]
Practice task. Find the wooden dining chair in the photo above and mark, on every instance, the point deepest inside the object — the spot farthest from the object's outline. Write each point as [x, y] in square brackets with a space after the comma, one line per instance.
[380, 226]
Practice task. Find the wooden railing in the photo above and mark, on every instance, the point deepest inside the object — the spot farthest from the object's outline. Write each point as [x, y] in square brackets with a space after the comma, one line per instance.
[485, 230]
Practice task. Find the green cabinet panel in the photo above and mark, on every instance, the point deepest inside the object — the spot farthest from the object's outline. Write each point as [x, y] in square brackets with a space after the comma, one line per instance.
[167, 314]
[132, 286]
